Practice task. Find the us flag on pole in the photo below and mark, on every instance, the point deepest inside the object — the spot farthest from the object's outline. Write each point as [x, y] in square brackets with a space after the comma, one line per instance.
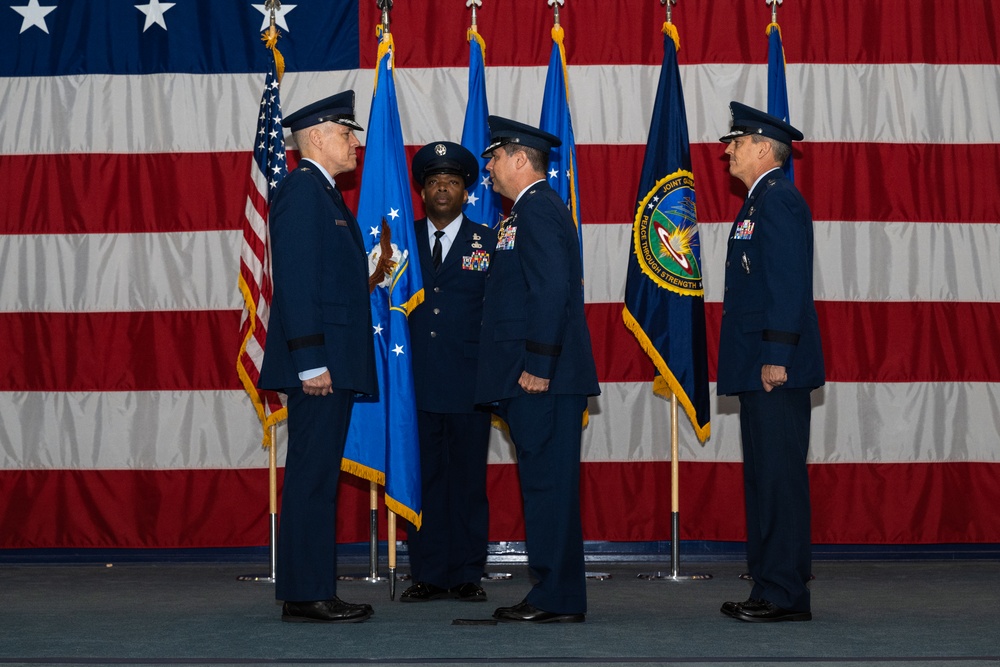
[267, 170]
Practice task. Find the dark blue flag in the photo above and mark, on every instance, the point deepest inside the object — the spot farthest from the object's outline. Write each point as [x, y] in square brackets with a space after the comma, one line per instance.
[664, 294]
[556, 120]
[777, 88]
[484, 202]
[382, 444]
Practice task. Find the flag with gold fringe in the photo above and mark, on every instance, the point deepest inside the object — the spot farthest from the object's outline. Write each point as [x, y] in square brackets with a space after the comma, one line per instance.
[267, 170]
[664, 294]
[484, 203]
[382, 443]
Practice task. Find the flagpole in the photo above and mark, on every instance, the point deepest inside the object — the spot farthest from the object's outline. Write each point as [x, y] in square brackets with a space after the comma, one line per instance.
[272, 494]
[675, 521]
[272, 457]
[373, 576]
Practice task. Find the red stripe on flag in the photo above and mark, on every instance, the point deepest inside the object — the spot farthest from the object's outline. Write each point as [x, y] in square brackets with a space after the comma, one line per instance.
[883, 183]
[862, 342]
[628, 31]
[228, 508]
[192, 350]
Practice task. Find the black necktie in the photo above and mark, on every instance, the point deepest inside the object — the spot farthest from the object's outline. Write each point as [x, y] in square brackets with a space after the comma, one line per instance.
[436, 251]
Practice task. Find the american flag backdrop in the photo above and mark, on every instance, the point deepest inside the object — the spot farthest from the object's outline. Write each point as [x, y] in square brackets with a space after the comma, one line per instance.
[126, 135]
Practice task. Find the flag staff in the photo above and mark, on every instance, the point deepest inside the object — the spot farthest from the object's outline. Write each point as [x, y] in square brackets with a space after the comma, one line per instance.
[390, 531]
[555, 5]
[271, 39]
[675, 520]
[774, 9]
[469, 139]
[373, 576]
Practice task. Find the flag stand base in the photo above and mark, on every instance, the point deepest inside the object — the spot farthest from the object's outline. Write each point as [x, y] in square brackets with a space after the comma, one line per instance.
[267, 578]
[675, 558]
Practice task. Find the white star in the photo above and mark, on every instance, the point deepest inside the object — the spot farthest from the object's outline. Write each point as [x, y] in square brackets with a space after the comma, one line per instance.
[276, 169]
[154, 11]
[34, 15]
[473, 199]
[398, 350]
[650, 205]
[279, 16]
[378, 329]
[273, 183]
[486, 182]
[554, 173]
[374, 231]
[393, 213]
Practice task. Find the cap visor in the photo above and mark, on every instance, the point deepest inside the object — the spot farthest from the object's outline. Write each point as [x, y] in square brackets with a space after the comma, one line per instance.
[726, 138]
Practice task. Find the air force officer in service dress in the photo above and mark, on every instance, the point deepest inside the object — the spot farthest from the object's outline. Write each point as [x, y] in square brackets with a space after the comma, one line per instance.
[770, 357]
[448, 553]
[319, 352]
[536, 366]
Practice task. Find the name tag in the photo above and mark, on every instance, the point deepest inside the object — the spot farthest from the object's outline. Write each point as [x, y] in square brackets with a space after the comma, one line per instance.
[340, 223]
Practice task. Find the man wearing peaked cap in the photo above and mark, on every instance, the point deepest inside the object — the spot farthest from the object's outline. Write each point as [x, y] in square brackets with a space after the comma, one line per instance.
[319, 351]
[536, 367]
[748, 121]
[337, 108]
[505, 131]
[448, 553]
[771, 358]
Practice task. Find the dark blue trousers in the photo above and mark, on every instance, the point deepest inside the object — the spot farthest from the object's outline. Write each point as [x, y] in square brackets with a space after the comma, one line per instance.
[775, 432]
[307, 541]
[450, 547]
[546, 432]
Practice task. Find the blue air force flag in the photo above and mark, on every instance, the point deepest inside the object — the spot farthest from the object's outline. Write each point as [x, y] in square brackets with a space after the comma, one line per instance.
[382, 444]
[484, 202]
[556, 120]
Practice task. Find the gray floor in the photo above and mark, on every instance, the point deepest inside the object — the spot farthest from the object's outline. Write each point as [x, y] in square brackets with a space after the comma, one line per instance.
[914, 613]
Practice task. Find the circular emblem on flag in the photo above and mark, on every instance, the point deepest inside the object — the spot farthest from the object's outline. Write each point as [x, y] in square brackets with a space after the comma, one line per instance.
[665, 235]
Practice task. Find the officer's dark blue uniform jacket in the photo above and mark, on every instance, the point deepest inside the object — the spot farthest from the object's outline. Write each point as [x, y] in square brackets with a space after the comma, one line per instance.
[444, 329]
[533, 317]
[320, 313]
[768, 314]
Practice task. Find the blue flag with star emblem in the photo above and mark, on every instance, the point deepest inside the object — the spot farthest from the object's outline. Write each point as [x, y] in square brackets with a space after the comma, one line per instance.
[484, 202]
[382, 444]
[664, 293]
[556, 120]
[777, 87]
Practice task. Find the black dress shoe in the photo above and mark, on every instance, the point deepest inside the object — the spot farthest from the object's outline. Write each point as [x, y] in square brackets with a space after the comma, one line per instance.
[469, 592]
[729, 608]
[325, 611]
[527, 613]
[768, 612]
[424, 592]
